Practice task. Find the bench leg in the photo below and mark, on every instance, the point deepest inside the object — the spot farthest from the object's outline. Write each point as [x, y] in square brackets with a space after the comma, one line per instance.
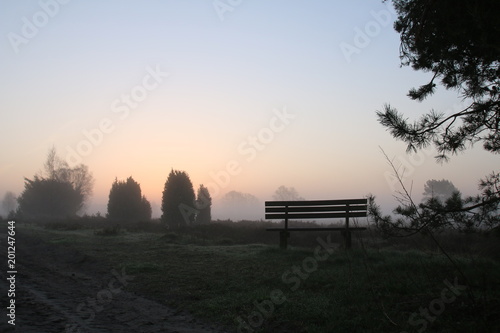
[347, 239]
[284, 235]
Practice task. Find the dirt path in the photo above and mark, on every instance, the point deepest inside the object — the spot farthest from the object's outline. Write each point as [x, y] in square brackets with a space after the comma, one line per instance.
[61, 290]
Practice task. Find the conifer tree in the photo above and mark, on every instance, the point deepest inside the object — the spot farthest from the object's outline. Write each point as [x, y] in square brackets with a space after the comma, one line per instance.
[178, 201]
[203, 205]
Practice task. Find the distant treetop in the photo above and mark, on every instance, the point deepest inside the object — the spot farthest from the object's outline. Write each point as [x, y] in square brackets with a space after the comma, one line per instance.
[284, 193]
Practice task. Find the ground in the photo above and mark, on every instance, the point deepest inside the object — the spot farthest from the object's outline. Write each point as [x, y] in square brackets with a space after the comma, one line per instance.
[76, 277]
[59, 289]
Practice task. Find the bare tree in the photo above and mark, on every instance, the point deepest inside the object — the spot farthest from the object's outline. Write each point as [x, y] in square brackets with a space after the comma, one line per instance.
[79, 176]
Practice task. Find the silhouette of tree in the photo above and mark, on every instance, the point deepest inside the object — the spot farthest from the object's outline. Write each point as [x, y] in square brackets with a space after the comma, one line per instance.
[240, 206]
[126, 202]
[284, 193]
[49, 198]
[146, 210]
[61, 192]
[178, 200]
[461, 48]
[9, 203]
[203, 205]
[439, 189]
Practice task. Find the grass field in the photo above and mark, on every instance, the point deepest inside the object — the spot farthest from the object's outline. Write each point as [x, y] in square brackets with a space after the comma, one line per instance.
[234, 274]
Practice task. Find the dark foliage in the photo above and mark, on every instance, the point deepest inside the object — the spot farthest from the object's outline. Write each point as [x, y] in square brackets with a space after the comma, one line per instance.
[108, 231]
[203, 205]
[178, 200]
[146, 209]
[126, 203]
[58, 193]
[48, 198]
[434, 214]
[458, 41]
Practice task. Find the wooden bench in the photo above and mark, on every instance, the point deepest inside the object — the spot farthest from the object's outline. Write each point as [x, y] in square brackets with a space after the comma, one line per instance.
[316, 209]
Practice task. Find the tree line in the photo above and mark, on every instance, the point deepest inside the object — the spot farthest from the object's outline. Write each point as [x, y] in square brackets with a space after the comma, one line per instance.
[61, 192]
[180, 205]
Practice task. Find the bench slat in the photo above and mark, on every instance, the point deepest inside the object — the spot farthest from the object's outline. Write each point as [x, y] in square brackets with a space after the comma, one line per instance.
[317, 202]
[316, 229]
[293, 216]
[308, 209]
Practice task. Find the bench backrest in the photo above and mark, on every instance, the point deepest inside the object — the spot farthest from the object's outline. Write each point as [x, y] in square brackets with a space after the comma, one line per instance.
[316, 209]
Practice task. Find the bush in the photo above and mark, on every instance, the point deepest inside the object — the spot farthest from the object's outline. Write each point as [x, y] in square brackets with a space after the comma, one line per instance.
[108, 231]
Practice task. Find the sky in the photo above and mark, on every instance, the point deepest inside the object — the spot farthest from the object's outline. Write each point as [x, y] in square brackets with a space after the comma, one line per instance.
[242, 95]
